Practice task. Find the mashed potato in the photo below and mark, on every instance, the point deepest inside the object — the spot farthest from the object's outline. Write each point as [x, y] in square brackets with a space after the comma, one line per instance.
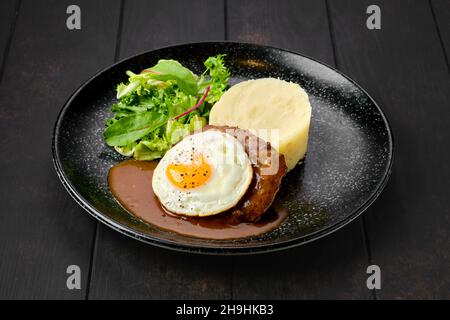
[266, 104]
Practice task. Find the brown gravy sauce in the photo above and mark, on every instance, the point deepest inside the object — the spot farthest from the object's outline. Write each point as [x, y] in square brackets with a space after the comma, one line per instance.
[131, 184]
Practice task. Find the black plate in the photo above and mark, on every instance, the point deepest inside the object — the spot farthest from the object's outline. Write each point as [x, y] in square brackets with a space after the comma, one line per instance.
[348, 162]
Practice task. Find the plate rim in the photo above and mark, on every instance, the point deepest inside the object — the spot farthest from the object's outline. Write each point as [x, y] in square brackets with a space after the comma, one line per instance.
[200, 249]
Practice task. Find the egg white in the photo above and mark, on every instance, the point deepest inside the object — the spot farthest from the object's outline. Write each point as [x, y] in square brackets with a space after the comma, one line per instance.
[231, 175]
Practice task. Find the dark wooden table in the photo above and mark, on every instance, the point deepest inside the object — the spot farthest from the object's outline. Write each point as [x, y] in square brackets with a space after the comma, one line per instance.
[405, 67]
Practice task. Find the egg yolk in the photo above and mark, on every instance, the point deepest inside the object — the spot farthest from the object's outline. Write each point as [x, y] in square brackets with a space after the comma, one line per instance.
[191, 175]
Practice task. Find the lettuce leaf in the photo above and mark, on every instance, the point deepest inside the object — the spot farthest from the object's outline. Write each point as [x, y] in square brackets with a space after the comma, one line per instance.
[126, 151]
[131, 128]
[173, 70]
[145, 123]
[151, 149]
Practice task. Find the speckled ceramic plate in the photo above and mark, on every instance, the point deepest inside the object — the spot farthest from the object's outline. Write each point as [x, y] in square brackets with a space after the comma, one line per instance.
[348, 162]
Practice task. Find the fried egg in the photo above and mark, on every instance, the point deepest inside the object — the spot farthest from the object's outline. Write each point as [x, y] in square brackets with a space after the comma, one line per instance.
[204, 174]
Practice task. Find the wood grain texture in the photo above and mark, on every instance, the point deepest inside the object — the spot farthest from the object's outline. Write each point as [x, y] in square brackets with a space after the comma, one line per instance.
[127, 269]
[441, 11]
[403, 66]
[124, 268]
[289, 24]
[332, 268]
[149, 25]
[42, 230]
[8, 13]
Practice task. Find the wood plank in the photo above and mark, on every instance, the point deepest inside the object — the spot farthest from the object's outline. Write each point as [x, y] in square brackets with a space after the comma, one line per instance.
[149, 25]
[42, 230]
[128, 269]
[331, 268]
[8, 13]
[285, 24]
[125, 268]
[441, 11]
[403, 66]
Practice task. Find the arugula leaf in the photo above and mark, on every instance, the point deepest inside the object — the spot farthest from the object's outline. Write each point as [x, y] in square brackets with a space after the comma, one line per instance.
[131, 128]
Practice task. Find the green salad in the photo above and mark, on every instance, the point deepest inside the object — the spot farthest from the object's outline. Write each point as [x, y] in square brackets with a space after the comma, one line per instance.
[160, 105]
